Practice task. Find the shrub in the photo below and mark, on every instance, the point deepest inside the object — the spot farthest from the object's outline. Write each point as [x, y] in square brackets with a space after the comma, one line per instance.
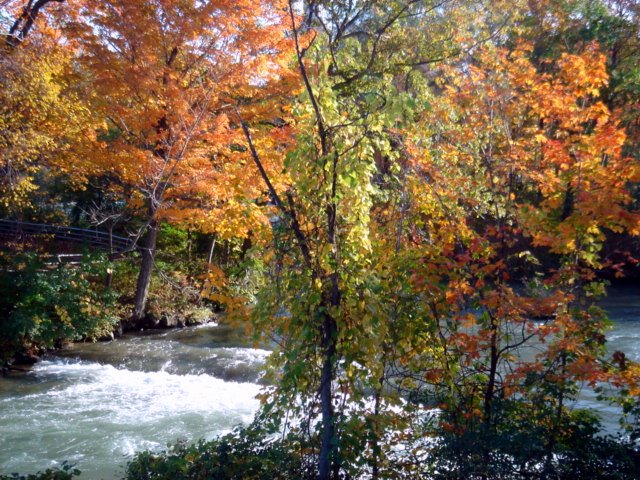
[67, 472]
[246, 454]
[43, 306]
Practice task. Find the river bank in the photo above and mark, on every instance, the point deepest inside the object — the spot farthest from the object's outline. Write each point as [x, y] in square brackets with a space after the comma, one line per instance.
[153, 320]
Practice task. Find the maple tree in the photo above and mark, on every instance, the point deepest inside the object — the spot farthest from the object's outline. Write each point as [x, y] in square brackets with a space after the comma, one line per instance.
[164, 90]
[614, 25]
[525, 174]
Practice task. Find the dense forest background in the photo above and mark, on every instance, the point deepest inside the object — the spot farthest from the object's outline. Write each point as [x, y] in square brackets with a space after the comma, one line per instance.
[417, 203]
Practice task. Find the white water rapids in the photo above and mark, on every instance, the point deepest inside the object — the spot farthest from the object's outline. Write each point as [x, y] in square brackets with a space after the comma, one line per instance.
[97, 415]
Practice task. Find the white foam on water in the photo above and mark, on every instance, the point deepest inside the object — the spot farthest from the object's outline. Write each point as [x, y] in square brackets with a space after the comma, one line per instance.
[246, 355]
[95, 415]
[213, 323]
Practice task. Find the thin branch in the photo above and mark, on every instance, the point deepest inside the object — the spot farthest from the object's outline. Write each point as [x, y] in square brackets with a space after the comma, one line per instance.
[290, 212]
[305, 77]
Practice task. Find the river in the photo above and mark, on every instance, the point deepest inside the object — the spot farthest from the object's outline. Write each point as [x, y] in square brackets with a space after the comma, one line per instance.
[96, 404]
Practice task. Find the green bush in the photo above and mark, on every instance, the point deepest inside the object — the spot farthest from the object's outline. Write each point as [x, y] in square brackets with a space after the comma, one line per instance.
[43, 305]
[67, 472]
[524, 445]
[246, 454]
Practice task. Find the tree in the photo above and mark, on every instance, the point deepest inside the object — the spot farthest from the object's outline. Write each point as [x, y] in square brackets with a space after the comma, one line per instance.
[45, 124]
[326, 305]
[524, 177]
[163, 90]
[555, 26]
[25, 20]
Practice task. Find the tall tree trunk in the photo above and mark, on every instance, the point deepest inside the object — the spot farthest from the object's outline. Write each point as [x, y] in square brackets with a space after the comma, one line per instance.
[488, 400]
[557, 424]
[146, 268]
[328, 462]
[327, 447]
[109, 276]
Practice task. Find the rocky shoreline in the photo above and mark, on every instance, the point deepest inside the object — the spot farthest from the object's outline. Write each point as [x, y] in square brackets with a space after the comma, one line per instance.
[22, 361]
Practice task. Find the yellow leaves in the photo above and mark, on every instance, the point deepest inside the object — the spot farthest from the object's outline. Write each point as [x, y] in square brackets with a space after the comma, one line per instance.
[215, 280]
[631, 377]
[540, 138]
[593, 229]
[63, 315]
[42, 119]
[569, 246]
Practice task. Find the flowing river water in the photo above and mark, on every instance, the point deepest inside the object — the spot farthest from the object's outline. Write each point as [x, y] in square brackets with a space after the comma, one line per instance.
[96, 404]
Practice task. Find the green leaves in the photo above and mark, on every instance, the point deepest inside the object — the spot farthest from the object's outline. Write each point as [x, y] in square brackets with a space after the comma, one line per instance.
[67, 472]
[44, 307]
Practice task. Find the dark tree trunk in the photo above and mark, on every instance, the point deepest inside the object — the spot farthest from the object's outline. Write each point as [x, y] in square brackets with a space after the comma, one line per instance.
[488, 399]
[493, 369]
[328, 462]
[23, 24]
[108, 279]
[557, 425]
[327, 447]
[146, 268]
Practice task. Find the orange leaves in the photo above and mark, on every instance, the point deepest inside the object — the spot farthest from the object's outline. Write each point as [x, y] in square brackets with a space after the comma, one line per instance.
[215, 279]
[585, 73]
[168, 91]
[550, 130]
[522, 158]
[457, 291]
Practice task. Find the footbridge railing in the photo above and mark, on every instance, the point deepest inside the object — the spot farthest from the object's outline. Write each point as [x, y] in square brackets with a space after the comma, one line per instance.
[94, 238]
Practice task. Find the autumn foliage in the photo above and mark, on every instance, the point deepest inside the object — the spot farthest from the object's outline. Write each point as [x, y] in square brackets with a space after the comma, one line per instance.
[423, 207]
